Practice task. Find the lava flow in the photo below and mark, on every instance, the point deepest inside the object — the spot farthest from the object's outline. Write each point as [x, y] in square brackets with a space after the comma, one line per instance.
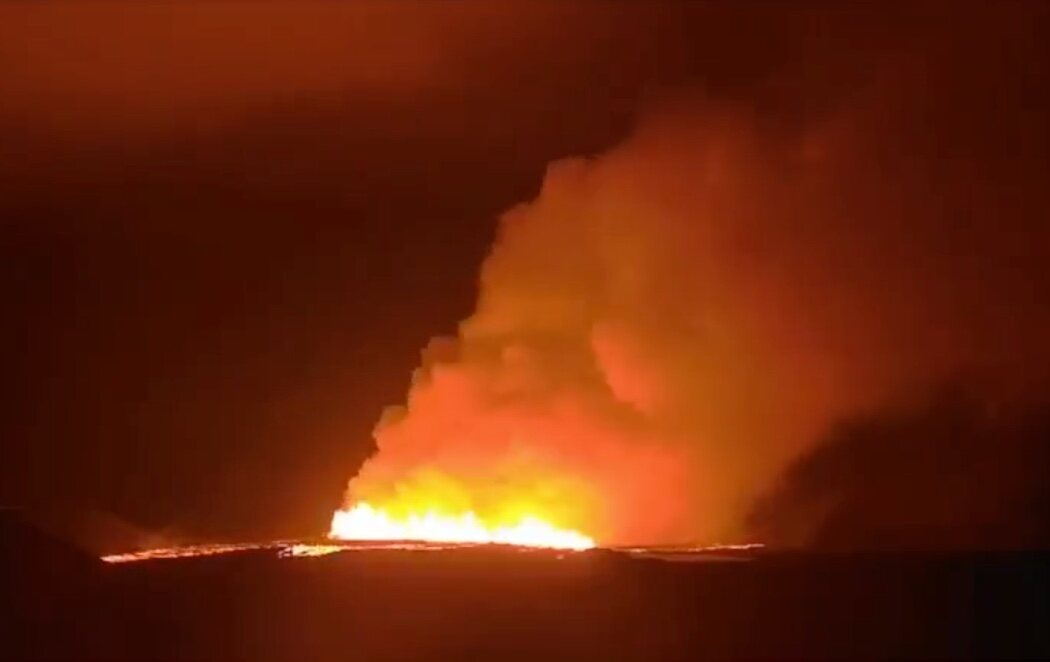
[364, 522]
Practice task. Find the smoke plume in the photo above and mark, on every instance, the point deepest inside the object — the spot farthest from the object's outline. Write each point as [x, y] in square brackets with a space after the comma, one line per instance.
[670, 324]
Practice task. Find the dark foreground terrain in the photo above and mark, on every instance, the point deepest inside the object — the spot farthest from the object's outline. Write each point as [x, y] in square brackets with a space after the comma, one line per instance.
[508, 604]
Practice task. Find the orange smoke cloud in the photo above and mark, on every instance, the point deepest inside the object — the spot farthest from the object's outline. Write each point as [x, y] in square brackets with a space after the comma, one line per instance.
[668, 324]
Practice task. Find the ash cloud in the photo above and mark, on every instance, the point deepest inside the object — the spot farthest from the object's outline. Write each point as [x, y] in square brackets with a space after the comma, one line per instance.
[672, 323]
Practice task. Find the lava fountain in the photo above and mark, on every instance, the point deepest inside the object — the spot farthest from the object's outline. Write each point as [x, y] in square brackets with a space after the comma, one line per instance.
[364, 522]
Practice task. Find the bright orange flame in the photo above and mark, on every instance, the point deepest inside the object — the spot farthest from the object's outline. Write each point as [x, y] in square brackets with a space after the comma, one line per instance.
[363, 522]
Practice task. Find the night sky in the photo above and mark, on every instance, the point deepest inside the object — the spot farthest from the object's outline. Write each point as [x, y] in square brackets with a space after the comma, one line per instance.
[228, 229]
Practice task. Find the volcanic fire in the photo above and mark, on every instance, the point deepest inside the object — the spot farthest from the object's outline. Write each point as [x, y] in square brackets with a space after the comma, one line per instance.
[364, 522]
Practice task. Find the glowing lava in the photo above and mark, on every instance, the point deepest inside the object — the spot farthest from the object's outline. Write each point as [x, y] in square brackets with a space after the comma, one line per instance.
[363, 522]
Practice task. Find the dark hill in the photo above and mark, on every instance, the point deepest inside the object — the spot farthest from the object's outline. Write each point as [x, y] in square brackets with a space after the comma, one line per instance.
[510, 605]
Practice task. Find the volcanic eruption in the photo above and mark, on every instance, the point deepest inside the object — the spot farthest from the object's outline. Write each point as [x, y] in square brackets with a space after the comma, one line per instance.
[667, 325]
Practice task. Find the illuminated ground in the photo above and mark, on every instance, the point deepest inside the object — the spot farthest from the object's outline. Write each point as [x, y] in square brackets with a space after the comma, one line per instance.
[424, 601]
[312, 548]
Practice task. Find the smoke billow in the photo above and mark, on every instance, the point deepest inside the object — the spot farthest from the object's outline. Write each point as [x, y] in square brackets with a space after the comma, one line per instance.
[670, 324]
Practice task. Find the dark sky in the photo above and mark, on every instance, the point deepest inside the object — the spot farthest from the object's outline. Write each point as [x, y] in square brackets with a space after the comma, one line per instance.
[229, 228]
